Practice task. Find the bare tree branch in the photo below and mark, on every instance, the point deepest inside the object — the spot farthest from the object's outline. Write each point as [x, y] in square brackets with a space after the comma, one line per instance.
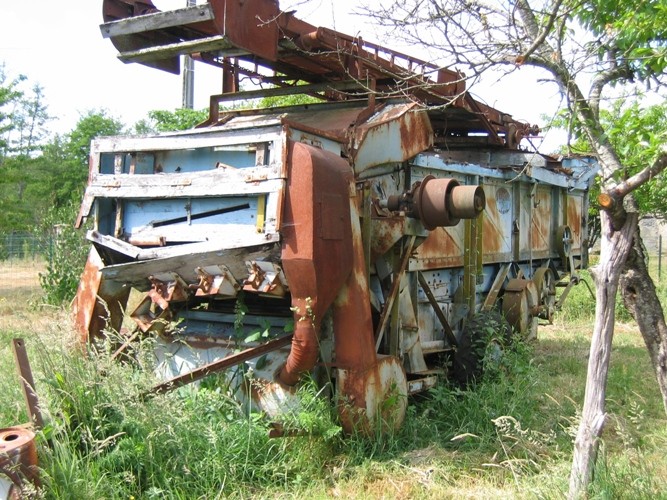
[541, 38]
[615, 195]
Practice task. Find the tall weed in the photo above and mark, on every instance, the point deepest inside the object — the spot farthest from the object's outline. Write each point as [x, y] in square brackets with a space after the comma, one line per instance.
[108, 442]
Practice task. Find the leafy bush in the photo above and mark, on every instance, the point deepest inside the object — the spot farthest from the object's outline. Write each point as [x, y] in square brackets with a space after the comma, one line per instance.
[66, 253]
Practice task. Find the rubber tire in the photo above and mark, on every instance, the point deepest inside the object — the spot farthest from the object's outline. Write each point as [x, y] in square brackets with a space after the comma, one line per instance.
[480, 331]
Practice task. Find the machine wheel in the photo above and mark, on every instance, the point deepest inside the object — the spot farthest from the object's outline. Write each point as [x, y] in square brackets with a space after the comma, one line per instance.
[483, 338]
[519, 305]
[564, 242]
[546, 292]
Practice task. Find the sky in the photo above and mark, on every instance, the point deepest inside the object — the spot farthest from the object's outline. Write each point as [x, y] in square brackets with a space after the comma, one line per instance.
[58, 45]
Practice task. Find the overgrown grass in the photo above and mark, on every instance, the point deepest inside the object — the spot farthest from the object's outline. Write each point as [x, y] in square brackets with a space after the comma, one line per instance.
[509, 436]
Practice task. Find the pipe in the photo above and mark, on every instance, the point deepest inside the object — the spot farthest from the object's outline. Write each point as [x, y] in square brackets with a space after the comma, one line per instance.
[304, 353]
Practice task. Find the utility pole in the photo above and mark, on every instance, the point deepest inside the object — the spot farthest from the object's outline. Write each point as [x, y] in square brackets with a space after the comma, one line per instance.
[189, 75]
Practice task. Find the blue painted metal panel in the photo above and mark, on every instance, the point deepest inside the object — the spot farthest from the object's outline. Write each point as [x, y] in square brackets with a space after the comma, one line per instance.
[146, 213]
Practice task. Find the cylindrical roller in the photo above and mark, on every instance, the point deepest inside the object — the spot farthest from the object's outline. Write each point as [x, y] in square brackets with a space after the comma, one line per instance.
[443, 202]
[431, 200]
[466, 202]
[18, 456]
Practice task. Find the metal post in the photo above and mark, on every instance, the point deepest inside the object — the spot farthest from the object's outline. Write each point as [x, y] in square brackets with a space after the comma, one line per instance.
[659, 257]
[189, 75]
[27, 383]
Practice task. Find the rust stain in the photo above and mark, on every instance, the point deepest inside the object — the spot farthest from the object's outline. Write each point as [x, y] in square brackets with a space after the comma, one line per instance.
[385, 232]
[492, 240]
[440, 243]
[414, 132]
[540, 234]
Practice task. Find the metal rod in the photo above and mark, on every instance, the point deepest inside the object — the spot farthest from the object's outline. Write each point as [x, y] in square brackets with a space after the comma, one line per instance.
[449, 333]
[217, 366]
[27, 382]
[201, 215]
[394, 292]
[126, 344]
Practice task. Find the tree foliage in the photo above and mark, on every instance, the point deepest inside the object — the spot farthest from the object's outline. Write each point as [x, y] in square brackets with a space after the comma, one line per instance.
[162, 120]
[629, 34]
[638, 133]
[94, 123]
[287, 100]
[10, 95]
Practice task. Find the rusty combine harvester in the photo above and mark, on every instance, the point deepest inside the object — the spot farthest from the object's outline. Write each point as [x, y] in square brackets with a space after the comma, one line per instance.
[361, 238]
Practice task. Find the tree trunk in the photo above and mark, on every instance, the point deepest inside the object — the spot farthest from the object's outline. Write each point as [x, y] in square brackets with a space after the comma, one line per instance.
[615, 246]
[641, 300]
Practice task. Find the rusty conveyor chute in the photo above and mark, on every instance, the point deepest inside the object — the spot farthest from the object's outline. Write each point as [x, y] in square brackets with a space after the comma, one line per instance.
[255, 39]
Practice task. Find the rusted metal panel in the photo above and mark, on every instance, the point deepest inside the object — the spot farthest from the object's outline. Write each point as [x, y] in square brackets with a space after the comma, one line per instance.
[366, 382]
[316, 263]
[185, 264]
[99, 303]
[542, 230]
[395, 134]
[250, 25]
[497, 225]
[443, 248]
[222, 364]
[575, 219]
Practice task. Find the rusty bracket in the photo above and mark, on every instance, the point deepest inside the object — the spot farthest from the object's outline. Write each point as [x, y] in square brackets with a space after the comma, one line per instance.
[449, 333]
[266, 278]
[162, 292]
[215, 280]
[255, 278]
[27, 382]
[205, 285]
[217, 366]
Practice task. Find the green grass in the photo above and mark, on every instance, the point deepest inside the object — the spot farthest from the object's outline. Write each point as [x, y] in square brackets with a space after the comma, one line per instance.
[510, 436]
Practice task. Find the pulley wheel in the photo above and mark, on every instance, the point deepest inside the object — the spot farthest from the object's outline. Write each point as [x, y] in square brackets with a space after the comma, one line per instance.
[519, 300]
[546, 292]
[564, 241]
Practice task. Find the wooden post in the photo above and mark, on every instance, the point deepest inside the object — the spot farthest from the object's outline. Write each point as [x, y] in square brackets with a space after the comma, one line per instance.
[615, 247]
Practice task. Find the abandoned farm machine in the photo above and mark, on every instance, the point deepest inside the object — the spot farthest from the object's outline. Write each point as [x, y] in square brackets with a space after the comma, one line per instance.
[362, 239]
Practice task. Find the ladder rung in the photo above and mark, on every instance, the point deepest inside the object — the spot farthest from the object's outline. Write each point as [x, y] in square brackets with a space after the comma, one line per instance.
[158, 20]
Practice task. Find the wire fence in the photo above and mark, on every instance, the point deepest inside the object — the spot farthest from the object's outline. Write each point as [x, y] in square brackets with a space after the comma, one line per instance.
[23, 246]
[22, 259]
